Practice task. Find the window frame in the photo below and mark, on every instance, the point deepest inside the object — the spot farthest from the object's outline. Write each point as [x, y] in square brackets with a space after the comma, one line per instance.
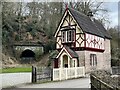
[93, 60]
[68, 36]
[63, 36]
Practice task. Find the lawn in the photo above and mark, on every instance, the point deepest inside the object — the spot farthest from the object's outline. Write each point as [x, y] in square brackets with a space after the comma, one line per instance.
[16, 69]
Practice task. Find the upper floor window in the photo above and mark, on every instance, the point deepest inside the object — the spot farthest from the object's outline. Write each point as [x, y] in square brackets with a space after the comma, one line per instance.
[63, 36]
[68, 36]
[93, 59]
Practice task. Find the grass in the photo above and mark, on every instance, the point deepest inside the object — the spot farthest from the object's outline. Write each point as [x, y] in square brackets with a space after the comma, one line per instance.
[16, 70]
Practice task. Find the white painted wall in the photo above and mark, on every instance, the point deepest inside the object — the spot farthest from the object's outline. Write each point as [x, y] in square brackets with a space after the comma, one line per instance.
[99, 45]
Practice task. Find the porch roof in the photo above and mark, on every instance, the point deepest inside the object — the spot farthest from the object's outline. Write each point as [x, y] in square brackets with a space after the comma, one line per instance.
[69, 51]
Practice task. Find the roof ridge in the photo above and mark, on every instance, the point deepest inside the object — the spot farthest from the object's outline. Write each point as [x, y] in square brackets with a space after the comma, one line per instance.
[78, 12]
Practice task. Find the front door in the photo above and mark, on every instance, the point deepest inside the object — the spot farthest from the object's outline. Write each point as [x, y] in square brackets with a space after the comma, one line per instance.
[65, 61]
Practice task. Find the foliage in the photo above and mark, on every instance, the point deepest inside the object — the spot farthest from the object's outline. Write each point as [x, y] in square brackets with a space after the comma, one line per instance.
[115, 45]
[38, 54]
[50, 45]
[106, 77]
[53, 54]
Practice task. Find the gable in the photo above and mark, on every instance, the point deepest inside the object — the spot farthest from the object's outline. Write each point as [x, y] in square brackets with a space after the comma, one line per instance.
[68, 51]
[66, 21]
[84, 23]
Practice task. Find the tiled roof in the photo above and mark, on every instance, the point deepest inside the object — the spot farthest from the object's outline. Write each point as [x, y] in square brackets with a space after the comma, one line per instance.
[102, 29]
[71, 52]
[87, 25]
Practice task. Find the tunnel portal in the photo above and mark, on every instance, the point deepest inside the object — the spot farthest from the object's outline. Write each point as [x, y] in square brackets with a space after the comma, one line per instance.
[27, 56]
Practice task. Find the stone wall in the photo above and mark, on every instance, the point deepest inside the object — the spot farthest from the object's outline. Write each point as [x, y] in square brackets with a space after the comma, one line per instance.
[38, 50]
[107, 54]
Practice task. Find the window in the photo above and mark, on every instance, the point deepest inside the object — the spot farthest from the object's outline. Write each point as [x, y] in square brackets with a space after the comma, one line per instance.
[93, 60]
[63, 36]
[74, 63]
[68, 36]
[73, 35]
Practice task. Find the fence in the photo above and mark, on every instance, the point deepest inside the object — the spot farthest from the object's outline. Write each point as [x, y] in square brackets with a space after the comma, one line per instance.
[41, 74]
[116, 70]
[97, 84]
[67, 73]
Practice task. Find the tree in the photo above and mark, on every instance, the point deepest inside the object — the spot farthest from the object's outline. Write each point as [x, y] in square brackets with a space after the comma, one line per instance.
[115, 47]
[91, 6]
[38, 19]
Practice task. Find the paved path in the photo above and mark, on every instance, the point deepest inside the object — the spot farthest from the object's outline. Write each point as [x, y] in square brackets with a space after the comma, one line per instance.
[75, 83]
[13, 79]
[20, 80]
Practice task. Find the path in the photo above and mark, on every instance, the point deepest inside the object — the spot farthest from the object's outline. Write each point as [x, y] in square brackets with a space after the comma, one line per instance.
[75, 83]
[21, 80]
[13, 79]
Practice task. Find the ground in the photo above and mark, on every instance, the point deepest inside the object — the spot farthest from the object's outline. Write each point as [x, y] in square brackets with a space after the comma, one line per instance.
[23, 80]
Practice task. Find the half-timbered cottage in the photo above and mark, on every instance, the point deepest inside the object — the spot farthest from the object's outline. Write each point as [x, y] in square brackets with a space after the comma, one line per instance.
[82, 41]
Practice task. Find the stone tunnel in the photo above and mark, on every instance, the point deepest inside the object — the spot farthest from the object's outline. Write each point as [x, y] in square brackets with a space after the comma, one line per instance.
[27, 53]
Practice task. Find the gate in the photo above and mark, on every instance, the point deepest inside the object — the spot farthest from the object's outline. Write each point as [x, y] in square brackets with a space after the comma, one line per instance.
[40, 74]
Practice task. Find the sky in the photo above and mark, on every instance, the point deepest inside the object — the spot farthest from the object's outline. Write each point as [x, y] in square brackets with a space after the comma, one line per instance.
[113, 12]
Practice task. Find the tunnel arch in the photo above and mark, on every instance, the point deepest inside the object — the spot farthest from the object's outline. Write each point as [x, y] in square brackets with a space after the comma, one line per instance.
[27, 53]
[27, 56]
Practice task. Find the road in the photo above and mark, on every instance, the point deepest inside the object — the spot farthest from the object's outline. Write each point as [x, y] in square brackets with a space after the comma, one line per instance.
[14, 79]
[75, 83]
[23, 80]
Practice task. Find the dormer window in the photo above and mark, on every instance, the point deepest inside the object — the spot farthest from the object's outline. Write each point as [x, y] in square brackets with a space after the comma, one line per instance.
[68, 36]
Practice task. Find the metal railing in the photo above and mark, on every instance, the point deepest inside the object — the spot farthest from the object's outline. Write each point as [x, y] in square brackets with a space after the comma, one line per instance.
[97, 84]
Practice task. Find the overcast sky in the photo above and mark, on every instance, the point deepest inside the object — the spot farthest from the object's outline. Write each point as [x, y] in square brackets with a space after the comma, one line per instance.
[113, 12]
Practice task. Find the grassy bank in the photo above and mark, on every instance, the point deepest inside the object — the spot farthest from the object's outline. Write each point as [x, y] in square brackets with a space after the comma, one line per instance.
[16, 70]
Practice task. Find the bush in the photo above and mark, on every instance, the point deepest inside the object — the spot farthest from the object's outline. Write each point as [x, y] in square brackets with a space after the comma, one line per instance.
[50, 46]
[107, 77]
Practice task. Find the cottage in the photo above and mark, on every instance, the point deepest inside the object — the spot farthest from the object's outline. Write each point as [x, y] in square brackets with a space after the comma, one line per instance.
[82, 41]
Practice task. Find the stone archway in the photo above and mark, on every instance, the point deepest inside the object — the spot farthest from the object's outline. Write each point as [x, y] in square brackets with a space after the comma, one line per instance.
[65, 61]
[27, 56]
